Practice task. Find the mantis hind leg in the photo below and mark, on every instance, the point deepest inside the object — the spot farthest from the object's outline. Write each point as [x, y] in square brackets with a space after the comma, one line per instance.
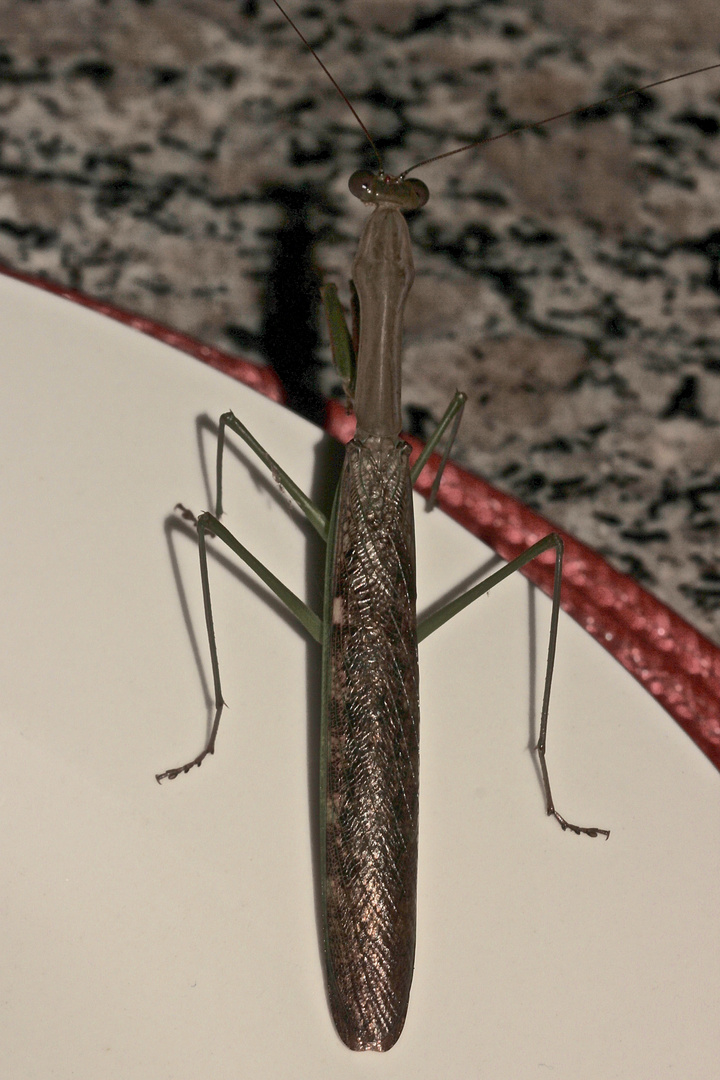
[432, 622]
[210, 524]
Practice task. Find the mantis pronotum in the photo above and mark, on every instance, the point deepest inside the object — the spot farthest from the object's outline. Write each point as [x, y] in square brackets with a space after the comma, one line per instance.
[369, 741]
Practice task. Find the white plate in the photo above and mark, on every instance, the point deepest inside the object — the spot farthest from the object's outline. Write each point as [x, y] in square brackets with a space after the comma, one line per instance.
[170, 931]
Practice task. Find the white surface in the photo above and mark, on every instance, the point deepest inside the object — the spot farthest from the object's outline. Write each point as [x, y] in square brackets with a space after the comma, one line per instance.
[170, 931]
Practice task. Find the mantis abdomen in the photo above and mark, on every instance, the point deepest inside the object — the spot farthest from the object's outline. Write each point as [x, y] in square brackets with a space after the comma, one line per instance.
[371, 790]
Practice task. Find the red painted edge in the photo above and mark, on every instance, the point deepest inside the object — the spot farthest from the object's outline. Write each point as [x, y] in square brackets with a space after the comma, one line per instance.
[262, 379]
[676, 664]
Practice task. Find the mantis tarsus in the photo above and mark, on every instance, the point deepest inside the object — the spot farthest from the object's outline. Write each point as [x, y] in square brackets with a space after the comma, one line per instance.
[369, 636]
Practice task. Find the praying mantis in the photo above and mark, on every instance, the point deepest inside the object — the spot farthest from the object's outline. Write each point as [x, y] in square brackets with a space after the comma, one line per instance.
[369, 636]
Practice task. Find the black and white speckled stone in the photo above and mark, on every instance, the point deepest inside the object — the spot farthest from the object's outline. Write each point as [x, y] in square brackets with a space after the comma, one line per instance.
[189, 161]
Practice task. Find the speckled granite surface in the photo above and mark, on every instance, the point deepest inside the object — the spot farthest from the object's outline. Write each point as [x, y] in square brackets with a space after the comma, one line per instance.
[188, 160]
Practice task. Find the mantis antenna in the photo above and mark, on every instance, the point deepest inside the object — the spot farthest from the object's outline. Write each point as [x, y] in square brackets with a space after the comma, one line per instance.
[565, 115]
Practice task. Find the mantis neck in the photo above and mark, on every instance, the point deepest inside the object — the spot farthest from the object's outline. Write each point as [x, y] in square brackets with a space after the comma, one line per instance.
[383, 273]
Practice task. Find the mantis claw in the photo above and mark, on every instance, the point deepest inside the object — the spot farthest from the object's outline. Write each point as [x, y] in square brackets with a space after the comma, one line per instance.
[171, 774]
[579, 830]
